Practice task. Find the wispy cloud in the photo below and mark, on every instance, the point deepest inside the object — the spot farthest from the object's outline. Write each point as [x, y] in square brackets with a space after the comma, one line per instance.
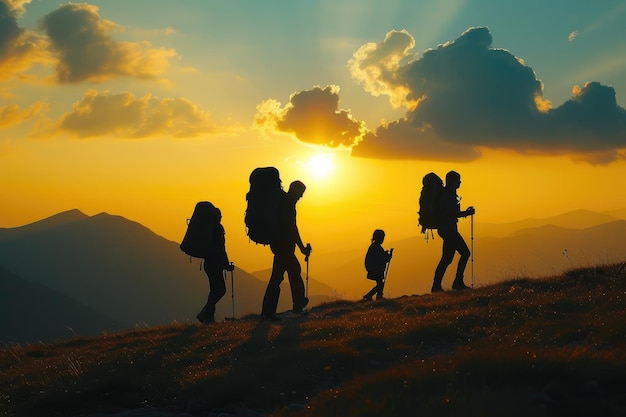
[13, 115]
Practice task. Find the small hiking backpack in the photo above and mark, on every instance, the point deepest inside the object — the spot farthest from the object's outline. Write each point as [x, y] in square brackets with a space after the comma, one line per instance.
[200, 228]
[263, 209]
[432, 187]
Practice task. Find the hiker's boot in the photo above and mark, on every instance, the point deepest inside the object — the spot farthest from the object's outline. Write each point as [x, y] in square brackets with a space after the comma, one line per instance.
[459, 285]
[270, 317]
[300, 306]
[206, 318]
[436, 287]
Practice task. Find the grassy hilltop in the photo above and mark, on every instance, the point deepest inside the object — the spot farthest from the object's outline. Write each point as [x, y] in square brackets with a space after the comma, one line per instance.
[548, 347]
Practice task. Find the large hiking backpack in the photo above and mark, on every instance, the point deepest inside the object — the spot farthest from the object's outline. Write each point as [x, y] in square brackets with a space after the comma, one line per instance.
[200, 228]
[264, 199]
[432, 187]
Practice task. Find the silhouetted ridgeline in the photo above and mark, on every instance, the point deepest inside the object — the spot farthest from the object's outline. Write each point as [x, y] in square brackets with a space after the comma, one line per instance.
[129, 276]
[548, 347]
[126, 275]
[541, 248]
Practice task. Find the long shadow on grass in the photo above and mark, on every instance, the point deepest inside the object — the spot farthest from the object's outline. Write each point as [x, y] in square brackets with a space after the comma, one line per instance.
[264, 371]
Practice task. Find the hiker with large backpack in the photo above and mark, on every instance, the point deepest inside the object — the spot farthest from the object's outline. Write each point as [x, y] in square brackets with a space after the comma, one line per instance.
[205, 239]
[376, 261]
[449, 211]
[283, 241]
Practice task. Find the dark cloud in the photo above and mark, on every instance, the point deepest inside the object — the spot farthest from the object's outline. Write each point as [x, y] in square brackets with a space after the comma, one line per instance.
[19, 49]
[401, 140]
[9, 30]
[127, 116]
[314, 117]
[467, 95]
[86, 50]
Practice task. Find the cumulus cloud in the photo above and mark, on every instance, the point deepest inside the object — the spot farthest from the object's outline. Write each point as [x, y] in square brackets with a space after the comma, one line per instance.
[86, 51]
[16, 6]
[376, 66]
[465, 95]
[19, 49]
[124, 115]
[314, 117]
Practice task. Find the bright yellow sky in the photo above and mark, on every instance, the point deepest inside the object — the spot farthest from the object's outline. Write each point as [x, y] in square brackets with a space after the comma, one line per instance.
[156, 110]
[339, 209]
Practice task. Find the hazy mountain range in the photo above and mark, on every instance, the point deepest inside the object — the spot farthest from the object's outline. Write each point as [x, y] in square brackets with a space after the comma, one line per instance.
[112, 270]
[526, 248]
[76, 274]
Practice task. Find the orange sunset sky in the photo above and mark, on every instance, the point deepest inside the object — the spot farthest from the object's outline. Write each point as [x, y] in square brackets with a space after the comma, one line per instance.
[143, 108]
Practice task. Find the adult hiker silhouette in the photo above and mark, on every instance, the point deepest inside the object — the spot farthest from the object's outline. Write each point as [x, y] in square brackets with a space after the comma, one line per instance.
[283, 247]
[449, 213]
[215, 262]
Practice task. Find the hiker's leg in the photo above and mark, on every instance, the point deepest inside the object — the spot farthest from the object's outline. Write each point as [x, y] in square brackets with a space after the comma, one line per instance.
[217, 286]
[379, 288]
[294, 274]
[447, 255]
[272, 292]
[464, 251]
[371, 293]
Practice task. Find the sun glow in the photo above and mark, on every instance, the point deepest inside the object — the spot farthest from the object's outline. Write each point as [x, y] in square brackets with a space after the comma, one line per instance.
[321, 166]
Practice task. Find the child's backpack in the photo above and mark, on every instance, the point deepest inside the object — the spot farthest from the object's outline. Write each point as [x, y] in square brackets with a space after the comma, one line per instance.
[432, 187]
[263, 209]
[200, 228]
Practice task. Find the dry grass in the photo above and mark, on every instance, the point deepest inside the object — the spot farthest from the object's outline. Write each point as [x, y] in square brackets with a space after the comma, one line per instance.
[524, 347]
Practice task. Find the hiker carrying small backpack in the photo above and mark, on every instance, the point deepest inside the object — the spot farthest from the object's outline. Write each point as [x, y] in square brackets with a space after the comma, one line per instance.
[449, 212]
[376, 261]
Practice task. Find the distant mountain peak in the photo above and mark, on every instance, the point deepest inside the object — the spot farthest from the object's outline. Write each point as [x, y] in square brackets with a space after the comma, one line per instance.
[71, 215]
[56, 220]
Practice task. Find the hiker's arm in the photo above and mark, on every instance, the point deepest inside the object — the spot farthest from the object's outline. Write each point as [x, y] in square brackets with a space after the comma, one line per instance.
[469, 212]
[299, 239]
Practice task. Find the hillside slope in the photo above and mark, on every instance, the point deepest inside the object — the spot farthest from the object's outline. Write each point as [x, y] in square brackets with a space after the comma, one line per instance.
[549, 347]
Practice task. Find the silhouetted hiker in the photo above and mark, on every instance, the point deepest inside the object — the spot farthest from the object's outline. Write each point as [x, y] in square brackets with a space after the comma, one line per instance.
[376, 261]
[215, 263]
[283, 247]
[450, 211]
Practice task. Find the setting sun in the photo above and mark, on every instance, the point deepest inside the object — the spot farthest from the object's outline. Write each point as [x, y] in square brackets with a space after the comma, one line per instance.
[321, 166]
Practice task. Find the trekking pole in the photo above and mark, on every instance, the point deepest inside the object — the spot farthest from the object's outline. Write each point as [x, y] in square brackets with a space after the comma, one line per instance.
[387, 267]
[306, 259]
[232, 286]
[472, 238]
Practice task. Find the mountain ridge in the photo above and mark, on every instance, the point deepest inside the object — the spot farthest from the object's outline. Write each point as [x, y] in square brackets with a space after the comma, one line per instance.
[108, 262]
[123, 270]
